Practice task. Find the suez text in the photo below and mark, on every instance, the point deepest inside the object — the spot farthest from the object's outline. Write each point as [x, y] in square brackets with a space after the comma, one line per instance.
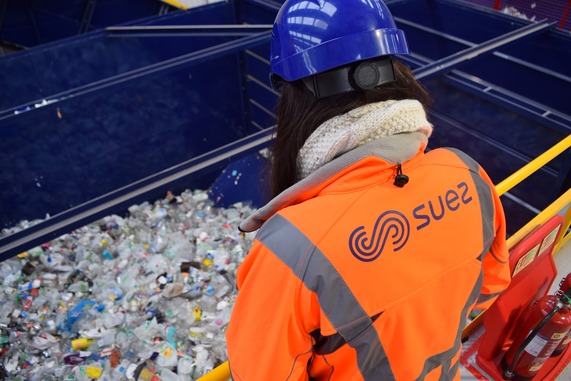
[451, 200]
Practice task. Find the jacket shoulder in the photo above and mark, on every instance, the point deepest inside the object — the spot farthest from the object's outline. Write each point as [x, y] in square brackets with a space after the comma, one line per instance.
[449, 153]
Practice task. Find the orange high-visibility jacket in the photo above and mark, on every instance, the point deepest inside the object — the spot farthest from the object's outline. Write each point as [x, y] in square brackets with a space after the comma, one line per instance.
[353, 278]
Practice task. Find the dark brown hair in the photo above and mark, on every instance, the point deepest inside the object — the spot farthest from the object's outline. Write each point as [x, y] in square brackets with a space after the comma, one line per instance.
[299, 113]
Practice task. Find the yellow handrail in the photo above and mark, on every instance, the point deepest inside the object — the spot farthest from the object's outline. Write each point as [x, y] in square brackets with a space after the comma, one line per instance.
[176, 4]
[222, 372]
[565, 228]
[545, 214]
[533, 166]
[557, 206]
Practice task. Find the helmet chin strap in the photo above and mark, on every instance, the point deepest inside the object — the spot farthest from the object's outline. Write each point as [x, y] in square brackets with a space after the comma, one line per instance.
[362, 75]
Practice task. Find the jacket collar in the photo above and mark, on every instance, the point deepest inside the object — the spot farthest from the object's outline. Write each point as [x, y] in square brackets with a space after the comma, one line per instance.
[395, 149]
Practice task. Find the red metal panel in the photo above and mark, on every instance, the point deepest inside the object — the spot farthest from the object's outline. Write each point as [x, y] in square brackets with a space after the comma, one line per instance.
[533, 271]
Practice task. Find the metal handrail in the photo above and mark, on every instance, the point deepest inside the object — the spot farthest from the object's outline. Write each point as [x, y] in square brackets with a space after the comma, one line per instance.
[222, 372]
[556, 207]
[566, 236]
[533, 166]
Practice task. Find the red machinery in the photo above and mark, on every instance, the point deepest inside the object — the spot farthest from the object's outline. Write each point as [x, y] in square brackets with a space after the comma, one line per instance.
[522, 332]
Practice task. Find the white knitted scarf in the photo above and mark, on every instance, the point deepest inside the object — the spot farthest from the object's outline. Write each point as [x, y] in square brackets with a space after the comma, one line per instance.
[357, 127]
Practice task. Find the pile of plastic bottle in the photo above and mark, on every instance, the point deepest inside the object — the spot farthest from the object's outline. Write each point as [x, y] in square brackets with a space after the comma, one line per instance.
[512, 11]
[142, 297]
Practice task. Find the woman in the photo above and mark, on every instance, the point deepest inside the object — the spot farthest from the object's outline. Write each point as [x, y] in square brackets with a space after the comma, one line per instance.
[372, 253]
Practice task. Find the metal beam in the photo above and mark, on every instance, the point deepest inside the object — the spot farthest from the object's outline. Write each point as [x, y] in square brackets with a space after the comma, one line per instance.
[541, 113]
[556, 119]
[470, 44]
[33, 22]
[186, 30]
[197, 57]
[87, 16]
[446, 64]
[3, 10]
[266, 4]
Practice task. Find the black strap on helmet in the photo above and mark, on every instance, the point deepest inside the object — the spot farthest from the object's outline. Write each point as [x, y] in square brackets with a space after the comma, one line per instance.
[362, 75]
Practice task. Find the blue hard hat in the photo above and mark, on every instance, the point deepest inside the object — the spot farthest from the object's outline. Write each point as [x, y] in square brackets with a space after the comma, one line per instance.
[313, 36]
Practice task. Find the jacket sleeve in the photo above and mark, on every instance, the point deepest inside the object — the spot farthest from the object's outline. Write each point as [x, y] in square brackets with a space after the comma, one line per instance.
[495, 264]
[268, 337]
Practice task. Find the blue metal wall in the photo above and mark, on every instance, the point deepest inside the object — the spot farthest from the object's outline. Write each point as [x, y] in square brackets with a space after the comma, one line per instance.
[85, 116]
[503, 108]
[92, 124]
[552, 10]
[34, 22]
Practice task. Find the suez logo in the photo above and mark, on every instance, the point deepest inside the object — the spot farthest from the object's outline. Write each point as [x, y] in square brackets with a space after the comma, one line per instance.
[394, 225]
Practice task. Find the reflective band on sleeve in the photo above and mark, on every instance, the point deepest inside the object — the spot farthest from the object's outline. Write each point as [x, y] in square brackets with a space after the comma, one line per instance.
[336, 300]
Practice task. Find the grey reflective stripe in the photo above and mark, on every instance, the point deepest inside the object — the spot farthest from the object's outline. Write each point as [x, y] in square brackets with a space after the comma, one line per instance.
[444, 359]
[487, 211]
[484, 198]
[486, 297]
[325, 345]
[336, 300]
[454, 368]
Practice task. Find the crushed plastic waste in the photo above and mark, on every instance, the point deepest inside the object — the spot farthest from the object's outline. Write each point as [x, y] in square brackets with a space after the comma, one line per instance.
[42, 103]
[513, 11]
[142, 297]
